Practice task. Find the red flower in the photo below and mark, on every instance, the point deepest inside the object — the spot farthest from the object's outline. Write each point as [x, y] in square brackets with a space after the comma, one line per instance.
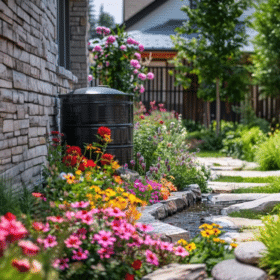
[56, 140]
[21, 265]
[54, 132]
[142, 117]
[9, 216]
[161, 122]
[129, 276]
[102, 131]
[137, 264]
[90, 163]
[107, 159]
[73, 150]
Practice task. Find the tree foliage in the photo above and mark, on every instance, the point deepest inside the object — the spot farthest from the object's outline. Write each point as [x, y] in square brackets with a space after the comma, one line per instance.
[105, 19]
[214, 52]
[266, 60]
[92, 21]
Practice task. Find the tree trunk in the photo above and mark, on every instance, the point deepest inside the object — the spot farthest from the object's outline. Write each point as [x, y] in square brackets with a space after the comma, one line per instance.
[218, 107]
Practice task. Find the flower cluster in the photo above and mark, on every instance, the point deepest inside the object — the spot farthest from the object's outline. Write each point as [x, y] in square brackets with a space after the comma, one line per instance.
[117, 62]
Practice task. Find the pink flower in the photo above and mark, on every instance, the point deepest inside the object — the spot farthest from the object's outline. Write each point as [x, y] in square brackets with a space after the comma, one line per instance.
[107, 63]
[80, 254]
[73, 242]
[28, 248]
[180, 251]
[36, 266]
[97, 48]
[150, 76]
[61, 263]
[134, 63]
[138, 66]
[166, 246]
[142, 89]
[104, 238]
[123, 47]
[131, 41]
[149, 241]
[144, 227]
[102, 30]
[70, 215]
[138, 56]
[49, 242]
[151, 257]
[123, 234]
[80, 214]
[135, 71]
[55, 219]
[141, 48]
[3, 235]
[80, 204]
[142, 76]
[81, 233]
[114, 212]
[21, 265]
[87, 219]
[111, 39]
[105, 252]
[90, 78]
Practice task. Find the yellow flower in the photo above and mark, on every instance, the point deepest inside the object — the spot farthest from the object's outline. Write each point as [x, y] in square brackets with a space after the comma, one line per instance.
[216, 231]
[95, 188]
[97, 196]
[88, 176]
[110, 192]
[207, 233]
[182, 242]
[150, 187]
[107, 138]
[222, 241]
[216, 240]
[78, 172]
[209, 227]
[117, 178]
[90, 147]
[190, 247]
[233, 245]
[204, 226]
[115, 165]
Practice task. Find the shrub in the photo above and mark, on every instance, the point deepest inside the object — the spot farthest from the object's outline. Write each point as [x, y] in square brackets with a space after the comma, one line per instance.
[270, 236]
[267, 154]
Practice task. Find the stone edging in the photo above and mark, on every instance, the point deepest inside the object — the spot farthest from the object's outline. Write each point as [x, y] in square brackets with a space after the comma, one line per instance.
[176, 203]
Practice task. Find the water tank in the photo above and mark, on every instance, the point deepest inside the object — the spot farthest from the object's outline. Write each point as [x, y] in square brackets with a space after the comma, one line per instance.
[84, 110]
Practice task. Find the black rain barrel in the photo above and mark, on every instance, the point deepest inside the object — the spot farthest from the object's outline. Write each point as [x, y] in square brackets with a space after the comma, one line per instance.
[84, 110]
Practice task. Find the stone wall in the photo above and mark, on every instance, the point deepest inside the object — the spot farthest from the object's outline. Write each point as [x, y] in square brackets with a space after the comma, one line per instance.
[30, 81]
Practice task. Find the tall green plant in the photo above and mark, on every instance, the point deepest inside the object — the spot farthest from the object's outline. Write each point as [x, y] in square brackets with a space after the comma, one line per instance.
[266, 59]
[214, 52]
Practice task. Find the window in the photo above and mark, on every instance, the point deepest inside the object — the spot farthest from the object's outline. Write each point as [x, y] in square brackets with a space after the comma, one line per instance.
[63, 39]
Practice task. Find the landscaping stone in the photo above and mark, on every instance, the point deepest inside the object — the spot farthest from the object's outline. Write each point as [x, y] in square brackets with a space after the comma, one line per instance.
[249, 252]
[128, 173]
[224, 187]
[178, 272]
[256, 205]
[233, 198]
[234, 270]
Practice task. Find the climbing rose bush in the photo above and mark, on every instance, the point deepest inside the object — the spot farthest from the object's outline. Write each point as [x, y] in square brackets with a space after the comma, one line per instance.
[117, 62]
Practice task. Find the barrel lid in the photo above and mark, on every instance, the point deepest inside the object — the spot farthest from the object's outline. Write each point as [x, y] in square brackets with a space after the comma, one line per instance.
[97, 90]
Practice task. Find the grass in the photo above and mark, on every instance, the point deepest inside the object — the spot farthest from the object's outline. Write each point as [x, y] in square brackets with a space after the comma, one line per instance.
[262, 189]
[239, 179]
[251, 214]
[210, 154]
[216, 164]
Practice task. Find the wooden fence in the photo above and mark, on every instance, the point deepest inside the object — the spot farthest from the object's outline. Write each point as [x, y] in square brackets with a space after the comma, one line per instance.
[163, 90]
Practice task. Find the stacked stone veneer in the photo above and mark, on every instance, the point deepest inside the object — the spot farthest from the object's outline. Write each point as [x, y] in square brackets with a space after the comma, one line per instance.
[30, 81]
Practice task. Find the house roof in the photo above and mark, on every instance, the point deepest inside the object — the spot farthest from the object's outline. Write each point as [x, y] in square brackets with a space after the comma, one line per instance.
[144, 12]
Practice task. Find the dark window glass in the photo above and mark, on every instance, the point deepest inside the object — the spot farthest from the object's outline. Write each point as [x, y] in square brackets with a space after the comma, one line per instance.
[63, 39]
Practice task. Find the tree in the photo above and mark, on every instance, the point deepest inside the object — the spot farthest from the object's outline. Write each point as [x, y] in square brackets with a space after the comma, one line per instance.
[105, 19]
[92, 22]
[266, 60]
[214, 51]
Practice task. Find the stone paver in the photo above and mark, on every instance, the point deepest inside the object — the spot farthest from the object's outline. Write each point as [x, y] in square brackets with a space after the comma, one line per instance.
[234, 270]
[178, 272]
[224, 187]
[249, 252]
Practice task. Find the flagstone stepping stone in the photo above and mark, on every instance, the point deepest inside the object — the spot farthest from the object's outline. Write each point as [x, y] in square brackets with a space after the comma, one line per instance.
[246, 173]
[256, 205]
[249, 252]
[234, 270]
[234, 198]
[224, 187]
[178, 272]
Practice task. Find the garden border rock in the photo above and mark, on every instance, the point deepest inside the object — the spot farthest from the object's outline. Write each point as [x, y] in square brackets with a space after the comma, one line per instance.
[177, 202]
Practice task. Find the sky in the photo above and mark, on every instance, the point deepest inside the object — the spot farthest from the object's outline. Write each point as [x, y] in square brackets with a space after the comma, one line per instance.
[113, 7]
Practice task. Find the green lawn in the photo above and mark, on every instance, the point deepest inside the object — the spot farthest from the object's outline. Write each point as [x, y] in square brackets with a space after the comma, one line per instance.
[210, 154]
[239, 179]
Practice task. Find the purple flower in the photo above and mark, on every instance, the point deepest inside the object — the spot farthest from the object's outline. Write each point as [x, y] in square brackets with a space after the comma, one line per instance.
[107, 63]
[111, 39]
[123, 47]
[156, 170]
[134, 63]
[135, 71]
[142, 76]
[141, 159]
[142, 89]
[158, 165]
[150, 76]
[166, 161]
[132, 162]
[138, 66]
[97, 48]
[168, 168]
[138, 154]
[125, 166]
